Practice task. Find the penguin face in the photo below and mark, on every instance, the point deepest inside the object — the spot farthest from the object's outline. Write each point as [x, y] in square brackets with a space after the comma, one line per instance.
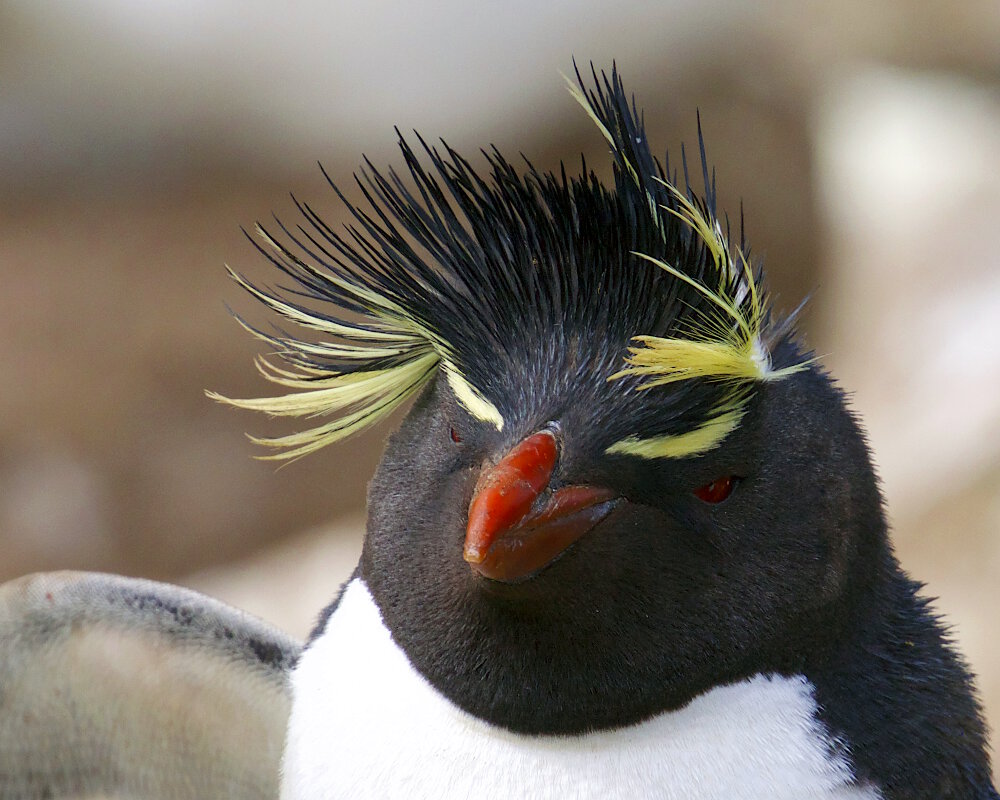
[664, 597]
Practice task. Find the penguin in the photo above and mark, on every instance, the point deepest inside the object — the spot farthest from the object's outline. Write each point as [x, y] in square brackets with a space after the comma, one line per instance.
[628, 540]
[128, 688]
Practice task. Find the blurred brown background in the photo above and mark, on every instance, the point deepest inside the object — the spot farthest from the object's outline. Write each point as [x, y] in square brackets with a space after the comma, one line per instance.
[135, 139]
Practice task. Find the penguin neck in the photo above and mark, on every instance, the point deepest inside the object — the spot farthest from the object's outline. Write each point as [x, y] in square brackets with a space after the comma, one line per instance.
[893, 688]
[520, 662]
[394, 730]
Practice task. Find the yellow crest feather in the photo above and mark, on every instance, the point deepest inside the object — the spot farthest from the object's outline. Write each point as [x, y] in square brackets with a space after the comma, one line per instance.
[726, 345]
[359, 398]
[366, 397]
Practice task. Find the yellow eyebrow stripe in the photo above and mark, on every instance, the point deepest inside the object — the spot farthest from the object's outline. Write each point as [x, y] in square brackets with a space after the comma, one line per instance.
[680, 445]
[472, 399]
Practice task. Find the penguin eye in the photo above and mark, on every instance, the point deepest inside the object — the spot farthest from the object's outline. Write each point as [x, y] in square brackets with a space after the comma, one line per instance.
[455, 437]
[716, 491]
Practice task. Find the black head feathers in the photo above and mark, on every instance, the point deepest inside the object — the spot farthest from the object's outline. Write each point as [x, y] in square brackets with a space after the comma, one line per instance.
[521, 286]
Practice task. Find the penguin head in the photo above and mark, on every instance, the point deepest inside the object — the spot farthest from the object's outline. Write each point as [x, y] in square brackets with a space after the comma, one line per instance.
[621, 481]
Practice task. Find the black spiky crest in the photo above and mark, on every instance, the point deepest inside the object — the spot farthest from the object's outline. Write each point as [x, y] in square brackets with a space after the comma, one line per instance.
[493, 279]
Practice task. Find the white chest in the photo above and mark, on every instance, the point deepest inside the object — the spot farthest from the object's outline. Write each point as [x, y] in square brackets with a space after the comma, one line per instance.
[365, 724]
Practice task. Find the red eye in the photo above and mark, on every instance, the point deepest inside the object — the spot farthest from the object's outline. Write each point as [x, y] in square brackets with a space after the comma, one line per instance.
[455, 437]
[716, 491]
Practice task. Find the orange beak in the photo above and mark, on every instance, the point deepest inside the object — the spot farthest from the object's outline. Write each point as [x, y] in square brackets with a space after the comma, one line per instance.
[517, 525]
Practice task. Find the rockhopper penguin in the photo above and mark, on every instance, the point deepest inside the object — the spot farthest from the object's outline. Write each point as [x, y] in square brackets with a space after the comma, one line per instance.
[628, 541]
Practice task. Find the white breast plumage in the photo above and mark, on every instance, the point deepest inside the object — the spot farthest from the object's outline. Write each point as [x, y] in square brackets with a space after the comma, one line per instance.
[365, 724]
